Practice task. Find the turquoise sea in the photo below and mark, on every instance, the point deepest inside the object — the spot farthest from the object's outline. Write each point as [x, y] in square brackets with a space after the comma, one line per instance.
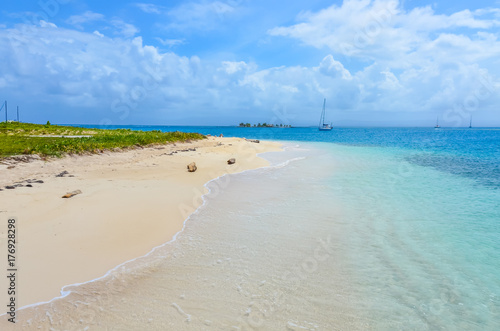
[352, 229]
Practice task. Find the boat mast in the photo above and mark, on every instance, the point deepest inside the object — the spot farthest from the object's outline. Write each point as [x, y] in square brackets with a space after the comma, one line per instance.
[322, 118]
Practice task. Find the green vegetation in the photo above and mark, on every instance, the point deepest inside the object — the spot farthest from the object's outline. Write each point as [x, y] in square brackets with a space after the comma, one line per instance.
[49, 140]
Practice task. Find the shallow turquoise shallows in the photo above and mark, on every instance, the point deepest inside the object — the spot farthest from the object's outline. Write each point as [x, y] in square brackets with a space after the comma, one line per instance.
[360, 228]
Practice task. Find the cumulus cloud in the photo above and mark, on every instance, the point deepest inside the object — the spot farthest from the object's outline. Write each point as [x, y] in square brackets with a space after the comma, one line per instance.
[383, 31]
[74, 70]
[330, 67]
[124, 80]
[414, 60]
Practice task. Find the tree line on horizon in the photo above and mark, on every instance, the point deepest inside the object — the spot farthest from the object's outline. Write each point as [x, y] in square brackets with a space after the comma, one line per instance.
[264, 125]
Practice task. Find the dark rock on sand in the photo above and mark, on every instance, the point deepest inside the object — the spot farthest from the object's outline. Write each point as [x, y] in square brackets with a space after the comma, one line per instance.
[231, 161]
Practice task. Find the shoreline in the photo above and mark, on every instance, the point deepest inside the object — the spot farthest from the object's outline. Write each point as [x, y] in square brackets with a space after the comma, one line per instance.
[131, 203]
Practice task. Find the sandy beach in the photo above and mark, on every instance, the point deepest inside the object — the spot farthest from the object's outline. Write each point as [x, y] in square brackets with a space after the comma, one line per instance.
[130, 202]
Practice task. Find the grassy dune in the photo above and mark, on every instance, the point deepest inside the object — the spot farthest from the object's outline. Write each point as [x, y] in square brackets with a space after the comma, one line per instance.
[25, 138]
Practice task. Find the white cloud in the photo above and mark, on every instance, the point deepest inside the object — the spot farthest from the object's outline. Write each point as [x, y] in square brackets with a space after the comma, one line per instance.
[76, 70]
[382, 31]
[125, 29]
[413, 60]
[119, 26]
[171, 42]
[86, 17]
[198, 15]
[125, 80]
[149, 8]
[231, 67]
[466, 18]
[45, 24]
[330, 67]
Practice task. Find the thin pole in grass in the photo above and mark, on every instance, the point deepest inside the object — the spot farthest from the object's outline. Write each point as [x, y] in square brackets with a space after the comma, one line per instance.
[4, 105]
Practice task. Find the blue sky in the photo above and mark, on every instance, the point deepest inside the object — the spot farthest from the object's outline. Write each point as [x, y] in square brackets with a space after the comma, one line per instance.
[378, 63]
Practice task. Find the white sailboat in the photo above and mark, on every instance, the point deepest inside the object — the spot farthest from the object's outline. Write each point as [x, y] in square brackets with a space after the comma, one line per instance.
[322, 125]
[437, 123]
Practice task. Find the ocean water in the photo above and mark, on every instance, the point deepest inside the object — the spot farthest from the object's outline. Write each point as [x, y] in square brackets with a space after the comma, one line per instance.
[353, 229]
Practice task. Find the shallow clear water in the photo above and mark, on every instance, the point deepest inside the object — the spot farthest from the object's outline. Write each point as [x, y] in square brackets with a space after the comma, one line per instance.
[395, 230]
[424, 242]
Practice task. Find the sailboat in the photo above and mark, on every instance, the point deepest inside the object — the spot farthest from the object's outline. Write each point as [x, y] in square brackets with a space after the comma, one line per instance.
[437, 123]
[470, 123]
[322, 125]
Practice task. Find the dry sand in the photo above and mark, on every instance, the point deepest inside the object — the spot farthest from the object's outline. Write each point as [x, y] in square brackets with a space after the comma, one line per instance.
[131, 202]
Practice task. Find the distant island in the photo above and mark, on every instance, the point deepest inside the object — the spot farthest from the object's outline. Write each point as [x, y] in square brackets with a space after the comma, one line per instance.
[264, 125]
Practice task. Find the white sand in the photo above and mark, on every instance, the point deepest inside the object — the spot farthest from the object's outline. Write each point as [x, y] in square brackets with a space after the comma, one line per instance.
[131, 202]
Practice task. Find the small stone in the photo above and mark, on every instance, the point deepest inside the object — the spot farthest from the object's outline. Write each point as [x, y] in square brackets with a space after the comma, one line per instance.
[62, 174]
[231, 161]
[71, 194]
[192, 167]
[9, 187]
[11, 167]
